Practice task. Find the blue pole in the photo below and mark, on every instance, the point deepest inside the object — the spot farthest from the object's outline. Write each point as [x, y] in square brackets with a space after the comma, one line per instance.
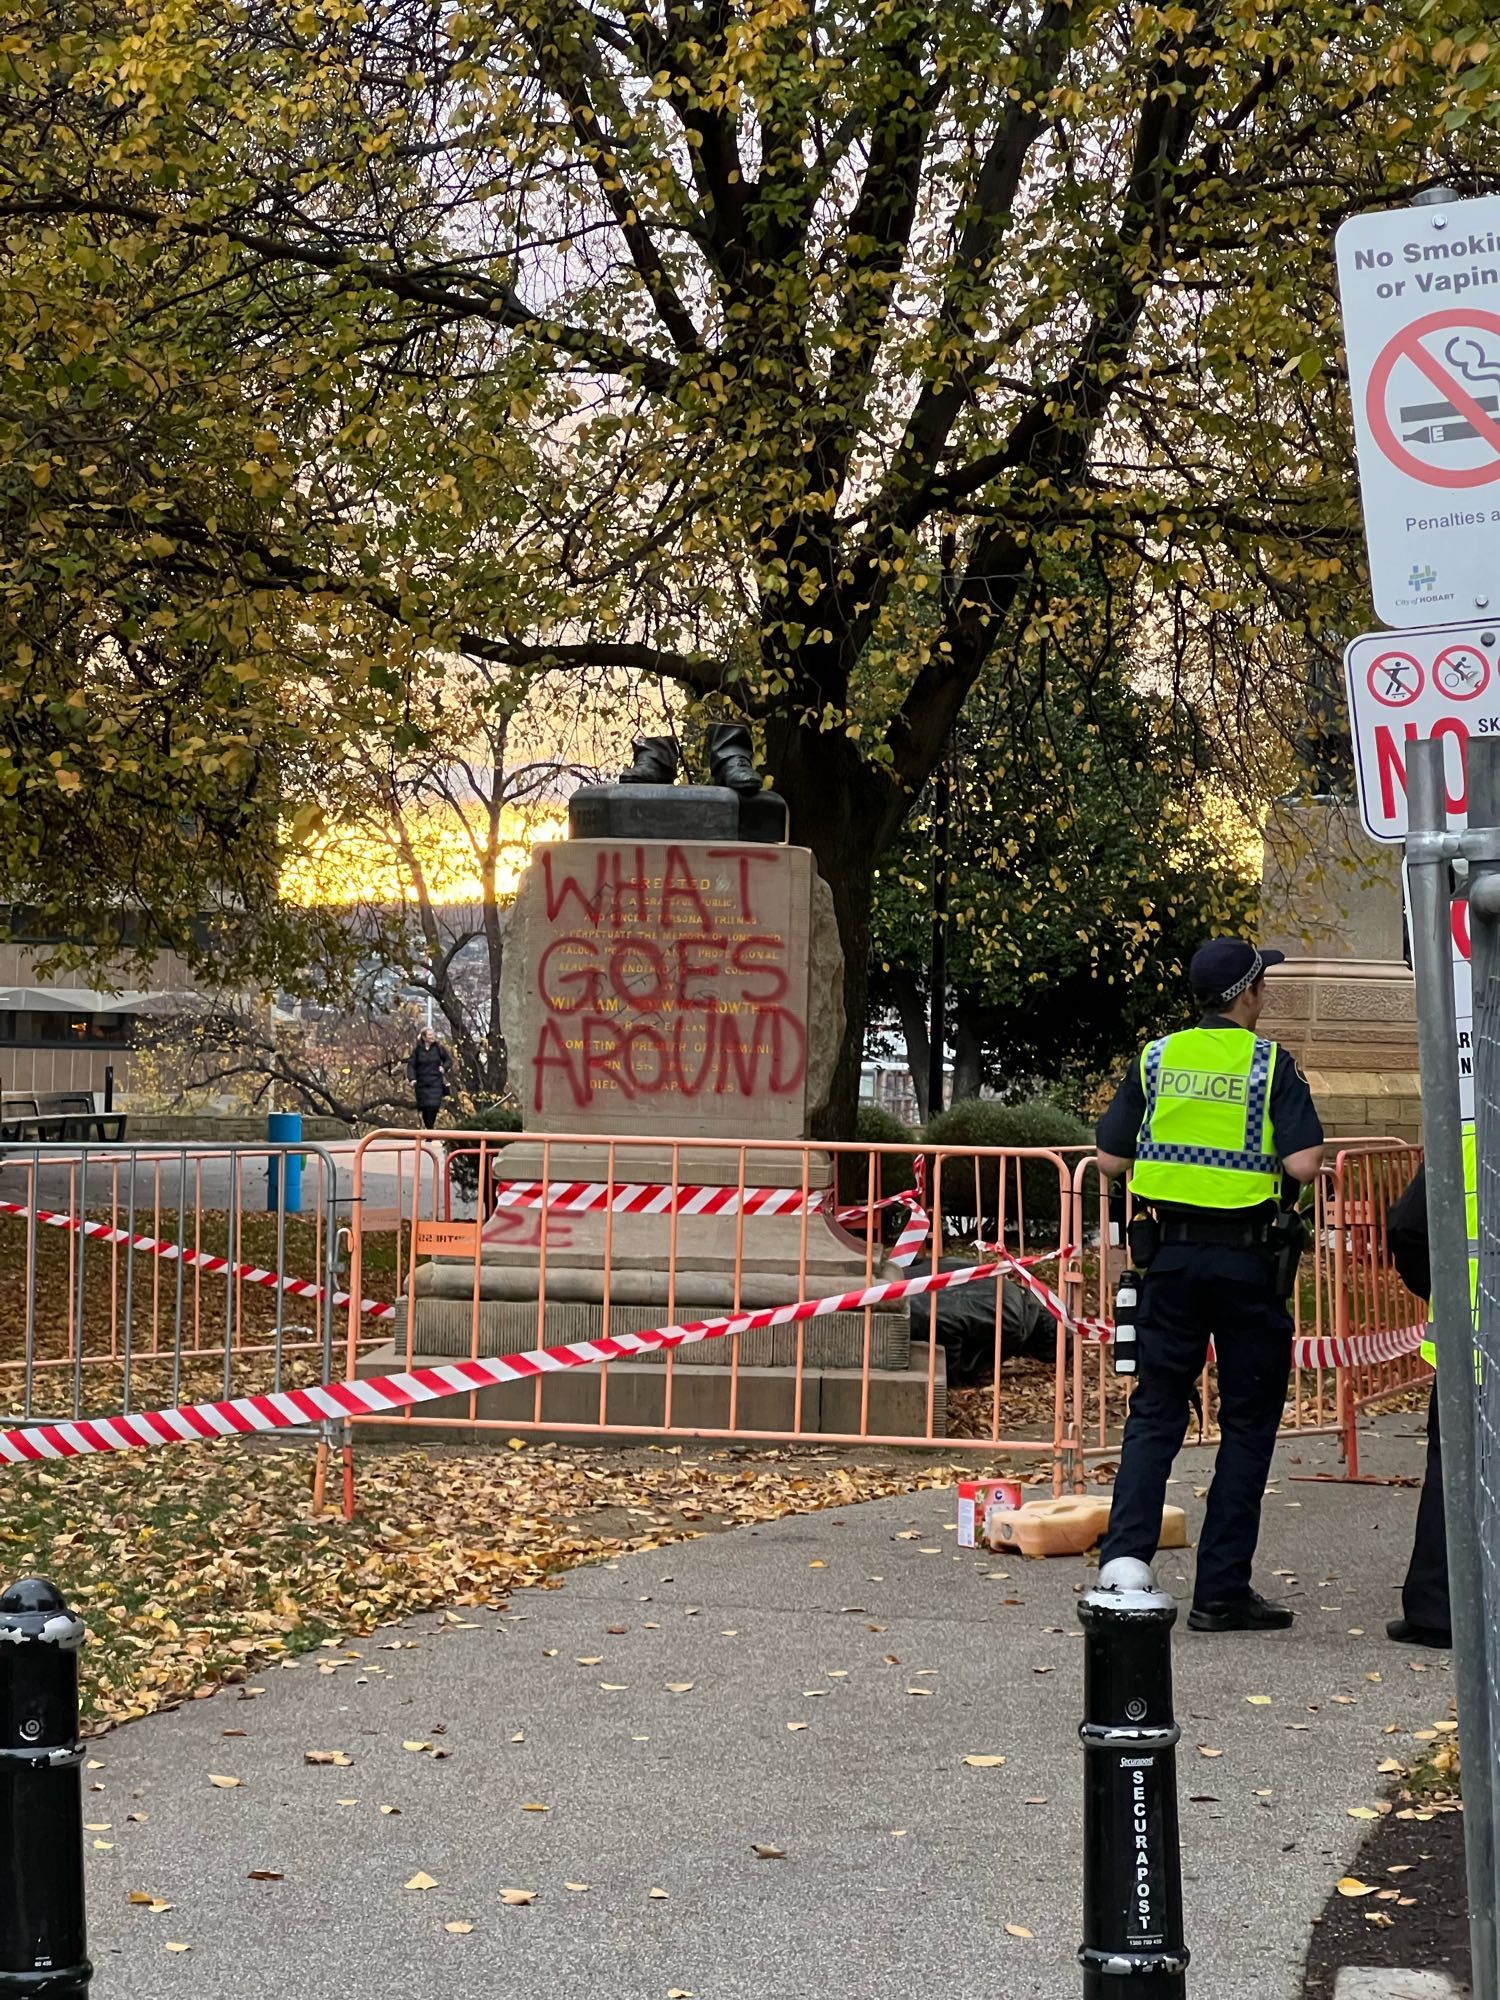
[284, 1128]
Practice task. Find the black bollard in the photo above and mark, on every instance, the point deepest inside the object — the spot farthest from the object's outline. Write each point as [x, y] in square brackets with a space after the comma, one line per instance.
[1132, 1868]
[43, 1930]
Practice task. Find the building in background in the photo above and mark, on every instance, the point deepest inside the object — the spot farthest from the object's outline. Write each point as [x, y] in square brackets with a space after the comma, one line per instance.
[63, 1032]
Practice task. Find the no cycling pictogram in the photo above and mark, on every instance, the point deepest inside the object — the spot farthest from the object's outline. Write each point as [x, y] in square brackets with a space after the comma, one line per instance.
[1462, 672]
[1395, 679]
[1470, 417]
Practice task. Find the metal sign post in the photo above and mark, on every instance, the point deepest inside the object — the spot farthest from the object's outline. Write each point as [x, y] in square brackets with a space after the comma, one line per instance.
[1420, 289]
[1430, 851]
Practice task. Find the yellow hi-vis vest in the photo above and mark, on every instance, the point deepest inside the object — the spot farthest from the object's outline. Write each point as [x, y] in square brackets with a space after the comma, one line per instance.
[1471, 1218]
[1206, 1138]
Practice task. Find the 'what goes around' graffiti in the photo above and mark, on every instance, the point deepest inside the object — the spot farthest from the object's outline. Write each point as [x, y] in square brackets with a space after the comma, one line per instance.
[664, 983]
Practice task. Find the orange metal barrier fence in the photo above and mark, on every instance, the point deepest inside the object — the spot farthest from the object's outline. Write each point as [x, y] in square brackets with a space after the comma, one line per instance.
[1347, 1287]
[641, 1232]
[135, 1275]
[634, 1233]
[1363, 1286]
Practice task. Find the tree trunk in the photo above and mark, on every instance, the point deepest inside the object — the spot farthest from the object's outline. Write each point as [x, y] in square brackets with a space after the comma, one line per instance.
[968, 1047]
[911, 1005]
[836, 810]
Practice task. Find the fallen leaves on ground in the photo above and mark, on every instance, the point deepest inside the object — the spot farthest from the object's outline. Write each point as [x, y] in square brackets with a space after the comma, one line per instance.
[517, 1898]
[195, 1564]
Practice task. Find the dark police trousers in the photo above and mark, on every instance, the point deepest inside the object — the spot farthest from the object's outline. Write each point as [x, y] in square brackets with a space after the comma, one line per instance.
[1424, 1595]
[1191, 1292]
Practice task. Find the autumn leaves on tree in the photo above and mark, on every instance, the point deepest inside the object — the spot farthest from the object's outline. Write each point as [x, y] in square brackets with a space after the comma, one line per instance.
[777, 351]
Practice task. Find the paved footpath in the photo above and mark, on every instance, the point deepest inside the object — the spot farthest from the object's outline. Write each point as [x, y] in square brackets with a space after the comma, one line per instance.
[812, 1685]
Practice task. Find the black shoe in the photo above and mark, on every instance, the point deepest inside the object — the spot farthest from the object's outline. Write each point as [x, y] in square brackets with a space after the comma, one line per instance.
[1252, 1613]
[1406, 1634]
[655, 762]
[729, 748]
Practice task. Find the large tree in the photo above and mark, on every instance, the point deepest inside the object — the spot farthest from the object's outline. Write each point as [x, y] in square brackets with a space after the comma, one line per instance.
[1089, 844]
[344, 335]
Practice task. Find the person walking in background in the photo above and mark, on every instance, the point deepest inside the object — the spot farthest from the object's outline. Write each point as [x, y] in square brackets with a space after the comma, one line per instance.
[427, 1068]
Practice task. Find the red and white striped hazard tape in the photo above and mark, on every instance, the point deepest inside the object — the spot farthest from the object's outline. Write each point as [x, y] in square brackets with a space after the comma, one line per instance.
[288, 1409]
[685, 1198]
[201, 1260]
[1308, 1350]
[293, 1408]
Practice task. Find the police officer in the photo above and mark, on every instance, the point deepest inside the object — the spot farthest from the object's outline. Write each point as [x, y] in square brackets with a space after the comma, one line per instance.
[1215, 1125]
[1426, 1616]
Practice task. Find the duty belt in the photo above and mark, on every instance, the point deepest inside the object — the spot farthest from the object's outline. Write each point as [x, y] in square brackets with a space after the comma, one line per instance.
[1221, 1231]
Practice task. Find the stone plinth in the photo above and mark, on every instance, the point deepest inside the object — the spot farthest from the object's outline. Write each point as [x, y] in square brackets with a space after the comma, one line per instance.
[656, 990]
[765, 1399]
[510, 1327]
[1344, 1003]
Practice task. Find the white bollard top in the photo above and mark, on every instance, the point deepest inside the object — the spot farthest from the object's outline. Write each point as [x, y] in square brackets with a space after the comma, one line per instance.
[1126, 1573]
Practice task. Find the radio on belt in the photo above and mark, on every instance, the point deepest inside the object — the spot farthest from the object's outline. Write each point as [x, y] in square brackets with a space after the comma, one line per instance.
[1127, 1298]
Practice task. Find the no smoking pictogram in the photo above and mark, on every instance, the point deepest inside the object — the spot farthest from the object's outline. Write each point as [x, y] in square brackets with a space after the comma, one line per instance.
[1459, 416]
[1395, 679]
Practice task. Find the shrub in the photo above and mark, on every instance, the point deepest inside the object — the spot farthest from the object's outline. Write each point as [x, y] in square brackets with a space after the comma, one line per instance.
[982, 1121]
[483, 1118]
[893, 1174]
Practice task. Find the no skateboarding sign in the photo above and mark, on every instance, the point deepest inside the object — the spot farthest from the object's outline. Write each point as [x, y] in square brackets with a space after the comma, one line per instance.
[1421, 299]
[1405, 687]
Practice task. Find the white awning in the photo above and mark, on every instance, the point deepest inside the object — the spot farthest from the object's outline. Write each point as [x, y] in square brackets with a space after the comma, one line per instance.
[86, 1000]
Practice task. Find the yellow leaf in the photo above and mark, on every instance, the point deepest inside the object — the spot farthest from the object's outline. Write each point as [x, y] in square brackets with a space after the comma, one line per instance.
[1361, 1812]
[224, 1784]
[532, 1805]
[178, 1947]
[415, 1745]
[420, 1881]
[1017, 1930]
[458, 1930]
[1206, 1750]
[1258, 1700]
[658, 1895]
[681, 1687]
[985, 1763]
[578, 1888]
[590, 1659]
[795, 1726]
[1350, 1885]
[516, 1898]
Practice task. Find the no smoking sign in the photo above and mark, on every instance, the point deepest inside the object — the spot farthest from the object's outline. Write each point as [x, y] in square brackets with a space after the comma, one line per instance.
[1432, 398]
[1421, 298]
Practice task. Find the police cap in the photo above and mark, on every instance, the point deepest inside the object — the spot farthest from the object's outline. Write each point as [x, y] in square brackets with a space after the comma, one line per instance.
[1224, 967]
